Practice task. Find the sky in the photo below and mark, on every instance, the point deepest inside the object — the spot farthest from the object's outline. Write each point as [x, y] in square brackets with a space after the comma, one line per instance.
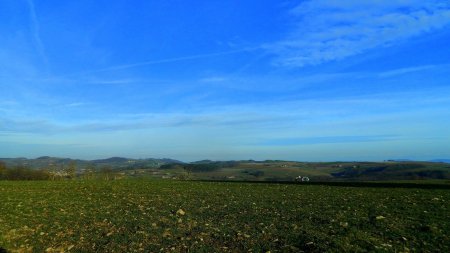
[318, 80]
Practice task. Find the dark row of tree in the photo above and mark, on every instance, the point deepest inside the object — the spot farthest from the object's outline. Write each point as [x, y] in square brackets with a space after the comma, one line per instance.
[68, 171]
[23, 173]
[201, 166]
[410, 171]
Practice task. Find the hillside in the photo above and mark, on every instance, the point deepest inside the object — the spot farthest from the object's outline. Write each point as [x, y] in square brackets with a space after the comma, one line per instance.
[316, 171]
[247, 170]
[116, 163]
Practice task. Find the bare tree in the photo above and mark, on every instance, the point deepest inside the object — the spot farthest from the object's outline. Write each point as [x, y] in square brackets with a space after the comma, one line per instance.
[107, 172]
[89, 171]
[2, 169]
[71, 169]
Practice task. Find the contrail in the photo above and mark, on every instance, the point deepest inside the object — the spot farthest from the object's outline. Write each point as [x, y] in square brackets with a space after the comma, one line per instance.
[36, 35]
[169, 60]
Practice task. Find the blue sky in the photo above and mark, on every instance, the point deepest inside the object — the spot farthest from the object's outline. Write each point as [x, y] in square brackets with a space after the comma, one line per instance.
[298, 80]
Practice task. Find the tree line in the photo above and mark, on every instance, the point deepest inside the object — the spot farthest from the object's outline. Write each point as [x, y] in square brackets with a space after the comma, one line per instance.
[54, 172]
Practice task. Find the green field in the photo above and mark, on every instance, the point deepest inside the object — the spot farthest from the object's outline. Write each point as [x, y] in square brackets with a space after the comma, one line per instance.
[184, 216]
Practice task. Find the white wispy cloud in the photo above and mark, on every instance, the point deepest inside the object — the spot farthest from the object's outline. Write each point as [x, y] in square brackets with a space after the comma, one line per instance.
[35, 29]
[402, 71]
[328, 140]
[213, 79]
[327, 30]
[76, 104]
[172, 60]
[113, 81]
[283, 115]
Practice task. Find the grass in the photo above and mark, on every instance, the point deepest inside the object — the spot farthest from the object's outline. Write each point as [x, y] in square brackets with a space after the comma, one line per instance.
[168, 215]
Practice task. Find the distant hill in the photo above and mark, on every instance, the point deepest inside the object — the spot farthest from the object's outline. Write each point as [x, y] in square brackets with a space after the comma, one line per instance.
[409, 160]
[249, 170]
[440, 160]
[111, 160]
[117, 163]
[271, 170]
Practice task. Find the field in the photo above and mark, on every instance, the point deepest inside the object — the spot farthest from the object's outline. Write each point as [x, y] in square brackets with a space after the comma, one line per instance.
[142, 215]
[287, 171]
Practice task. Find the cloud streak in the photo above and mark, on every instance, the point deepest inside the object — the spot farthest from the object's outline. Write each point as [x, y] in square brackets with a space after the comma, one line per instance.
[138, 122]
[172, 60]
[290, 114]
[333, 30]
[403, 71]
[329, 140]
[36, 32]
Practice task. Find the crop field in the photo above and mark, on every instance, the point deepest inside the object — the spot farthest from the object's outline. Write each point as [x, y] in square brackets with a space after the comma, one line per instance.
[137, 215]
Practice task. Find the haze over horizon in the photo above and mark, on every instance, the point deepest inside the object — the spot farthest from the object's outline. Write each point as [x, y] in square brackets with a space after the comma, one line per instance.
[174, 160]
[290, 80]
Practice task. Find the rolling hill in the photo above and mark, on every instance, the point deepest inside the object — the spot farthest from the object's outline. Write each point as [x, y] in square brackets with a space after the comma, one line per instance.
[248, 170]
